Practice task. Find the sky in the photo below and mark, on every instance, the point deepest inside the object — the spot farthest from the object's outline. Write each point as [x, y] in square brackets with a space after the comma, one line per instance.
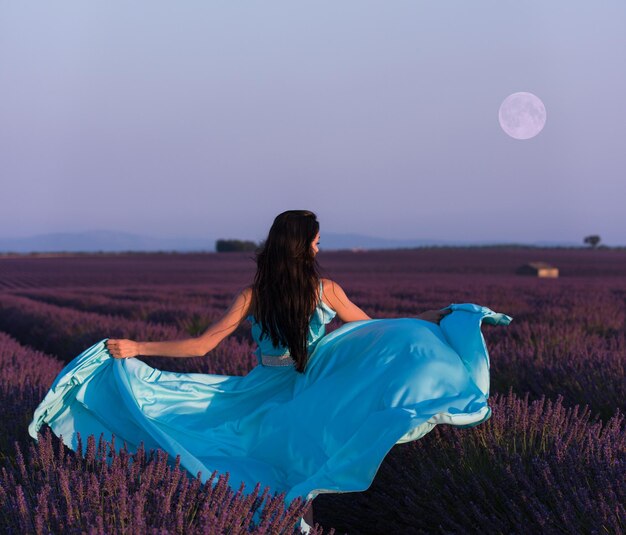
[209, 118]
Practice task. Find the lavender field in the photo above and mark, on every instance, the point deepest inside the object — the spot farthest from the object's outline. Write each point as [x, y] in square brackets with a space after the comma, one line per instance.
[551, 459]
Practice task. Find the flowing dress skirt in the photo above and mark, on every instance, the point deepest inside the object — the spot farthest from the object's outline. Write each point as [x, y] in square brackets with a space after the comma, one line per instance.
[368, 385]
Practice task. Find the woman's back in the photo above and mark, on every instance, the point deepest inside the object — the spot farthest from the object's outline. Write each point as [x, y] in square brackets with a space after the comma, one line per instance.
[322, 315]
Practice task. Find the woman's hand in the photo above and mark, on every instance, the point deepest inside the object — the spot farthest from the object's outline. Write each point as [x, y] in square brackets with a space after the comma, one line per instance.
[434, 315]
[122, 348]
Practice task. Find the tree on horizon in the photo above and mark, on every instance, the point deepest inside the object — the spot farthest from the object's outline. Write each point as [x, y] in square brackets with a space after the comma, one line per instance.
[225, 246]
[592, 240]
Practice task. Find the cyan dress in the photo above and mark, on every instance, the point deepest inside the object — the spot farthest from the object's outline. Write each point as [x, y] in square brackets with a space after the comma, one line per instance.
[368, 385]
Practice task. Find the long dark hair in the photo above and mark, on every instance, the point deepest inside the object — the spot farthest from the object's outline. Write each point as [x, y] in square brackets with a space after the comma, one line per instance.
[285, 288]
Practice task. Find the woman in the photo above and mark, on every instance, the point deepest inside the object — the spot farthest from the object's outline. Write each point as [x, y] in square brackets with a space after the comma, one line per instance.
[318, 413]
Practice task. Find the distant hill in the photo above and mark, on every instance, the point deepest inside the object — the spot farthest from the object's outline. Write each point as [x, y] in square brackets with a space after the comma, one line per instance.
[102, 240]
[330, 241]
[112, 241]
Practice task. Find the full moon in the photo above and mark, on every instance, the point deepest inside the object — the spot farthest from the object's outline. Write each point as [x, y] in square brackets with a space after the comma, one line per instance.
[522, 115]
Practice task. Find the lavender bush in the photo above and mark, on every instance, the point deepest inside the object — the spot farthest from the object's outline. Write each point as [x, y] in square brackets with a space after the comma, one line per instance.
[25, 376]
[533, 467]
[104, 491]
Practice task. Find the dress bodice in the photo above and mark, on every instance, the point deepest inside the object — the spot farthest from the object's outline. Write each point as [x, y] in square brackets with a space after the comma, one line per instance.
[322, 315]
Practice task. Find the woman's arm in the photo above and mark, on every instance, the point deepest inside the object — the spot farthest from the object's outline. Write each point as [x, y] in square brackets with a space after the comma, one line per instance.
[346, 309]
[189, 347]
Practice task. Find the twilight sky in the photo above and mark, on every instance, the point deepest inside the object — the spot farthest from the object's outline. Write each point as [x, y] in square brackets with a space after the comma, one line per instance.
[209, 118]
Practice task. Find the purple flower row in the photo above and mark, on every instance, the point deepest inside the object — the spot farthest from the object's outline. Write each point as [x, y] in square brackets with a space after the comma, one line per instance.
[65, 332]
[568, 337]
[101, 490]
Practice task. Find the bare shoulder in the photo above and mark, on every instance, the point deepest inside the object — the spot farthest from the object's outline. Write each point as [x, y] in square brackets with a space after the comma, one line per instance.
[326, 283]
[242, 301]
[335, 296]
[330, 291]
[246, 291]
